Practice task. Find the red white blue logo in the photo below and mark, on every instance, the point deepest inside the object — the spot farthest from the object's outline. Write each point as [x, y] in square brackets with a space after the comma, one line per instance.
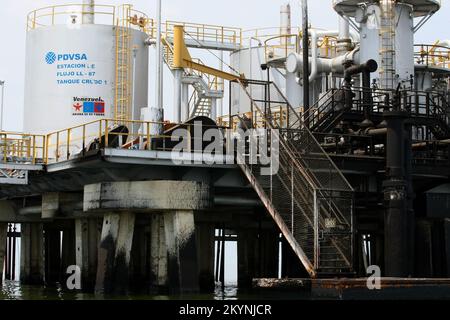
[83, 106]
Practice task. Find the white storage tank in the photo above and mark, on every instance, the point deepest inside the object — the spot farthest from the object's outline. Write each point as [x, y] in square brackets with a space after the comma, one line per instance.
[73, 66]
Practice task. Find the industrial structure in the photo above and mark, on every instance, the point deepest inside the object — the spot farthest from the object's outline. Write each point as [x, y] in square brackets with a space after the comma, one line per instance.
[358, 120]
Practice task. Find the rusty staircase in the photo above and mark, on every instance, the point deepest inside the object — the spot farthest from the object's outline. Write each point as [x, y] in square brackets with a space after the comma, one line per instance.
[305, 193]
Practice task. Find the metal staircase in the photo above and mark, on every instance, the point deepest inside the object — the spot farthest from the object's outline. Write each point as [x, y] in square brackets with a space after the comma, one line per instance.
[122, 101]
[206, 87]
[306, 194]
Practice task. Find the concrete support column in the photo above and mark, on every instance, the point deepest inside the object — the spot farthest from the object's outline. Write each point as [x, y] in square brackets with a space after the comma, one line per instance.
[3, 235]
[52, 254]
[268, 245]
[158, 253]
[204, 233]
[182, 269]
[139, 271]
[32, 254]
[87, 238]
[114, 253]
[246, 257]
[68, 250]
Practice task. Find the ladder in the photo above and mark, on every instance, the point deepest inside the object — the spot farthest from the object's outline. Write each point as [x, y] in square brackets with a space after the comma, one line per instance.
[306, 194]
[122, 100]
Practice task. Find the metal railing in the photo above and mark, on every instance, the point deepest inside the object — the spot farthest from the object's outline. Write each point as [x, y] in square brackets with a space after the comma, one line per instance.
[22, 148]
[306, 194]
[432, 55]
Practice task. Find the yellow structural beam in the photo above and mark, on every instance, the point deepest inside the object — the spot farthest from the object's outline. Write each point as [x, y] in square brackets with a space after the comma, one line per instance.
[182, 59]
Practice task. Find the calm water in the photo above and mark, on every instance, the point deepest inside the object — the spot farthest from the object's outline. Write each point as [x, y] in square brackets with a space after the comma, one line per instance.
[12, 290]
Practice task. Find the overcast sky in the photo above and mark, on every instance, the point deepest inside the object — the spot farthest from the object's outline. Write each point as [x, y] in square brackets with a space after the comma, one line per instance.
[241, 13]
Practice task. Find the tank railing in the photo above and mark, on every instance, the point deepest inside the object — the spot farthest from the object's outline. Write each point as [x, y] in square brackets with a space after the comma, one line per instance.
[432, 55]
[280, 46]
[19, 148]
[73, 14]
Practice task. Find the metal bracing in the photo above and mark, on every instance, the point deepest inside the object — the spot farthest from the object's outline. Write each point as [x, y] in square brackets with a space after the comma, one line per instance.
[306, 194]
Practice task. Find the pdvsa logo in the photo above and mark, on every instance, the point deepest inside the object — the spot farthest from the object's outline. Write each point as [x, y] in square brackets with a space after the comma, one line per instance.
[52, 57]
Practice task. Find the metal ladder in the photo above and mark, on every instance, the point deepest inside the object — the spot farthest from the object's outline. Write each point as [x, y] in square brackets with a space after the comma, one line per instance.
[306, 194]
[122, 103]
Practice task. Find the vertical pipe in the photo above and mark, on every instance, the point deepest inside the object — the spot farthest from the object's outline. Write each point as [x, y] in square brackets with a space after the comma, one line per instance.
[88, 11]
[133, 98]
[285, 23]
[214, 109]
[220, 102]
[13, 255]
[222, 259]
[178, 74]
[184, 102]
[159, 60]
[305, 60]
[2, 83]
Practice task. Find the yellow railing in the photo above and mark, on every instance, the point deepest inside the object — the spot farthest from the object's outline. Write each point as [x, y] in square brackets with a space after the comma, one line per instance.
[433, 55]
[22, 148]
[73, 14]
[204, 32]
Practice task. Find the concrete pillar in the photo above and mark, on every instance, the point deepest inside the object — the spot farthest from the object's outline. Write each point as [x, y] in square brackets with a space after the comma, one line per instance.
[114, 253]
[267, 262]
[140, 255]
[68, 250]
[158, 253]
[182, 269]
[246, 257]
[204, 233]
[87, 237]
[32, 254]
[3, 235]
[52, 254]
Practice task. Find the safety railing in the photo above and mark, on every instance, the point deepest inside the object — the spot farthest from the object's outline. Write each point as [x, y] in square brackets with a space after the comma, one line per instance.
[22, 148]
[432, 55]
[72, 14]
[201, 32]
[80, 140]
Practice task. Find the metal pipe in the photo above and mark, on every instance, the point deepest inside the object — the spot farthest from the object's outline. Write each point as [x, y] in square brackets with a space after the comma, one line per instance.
[285, 23]
[305, 48]
[177, 92]
[2, 83]
[184, 102]
[159, 60]
[88, 11]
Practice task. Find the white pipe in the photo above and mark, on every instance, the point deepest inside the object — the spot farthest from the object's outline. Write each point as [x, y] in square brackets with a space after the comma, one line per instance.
[294, 63]
[178, 74]
[159, 61]
[185, 102]
[344, 29]
[285, 22]
[133, 95]
[214, 109]
[315, 35]
[88, 11]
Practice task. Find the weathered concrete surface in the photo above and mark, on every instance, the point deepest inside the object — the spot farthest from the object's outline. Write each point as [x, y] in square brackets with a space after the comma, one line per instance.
[3, 234]
[87, 239]
[147, 196]
[182, 251]
[158, 253]
[32, 253]
[56, 204]
[204, 233]
[114, 253]
[246, 257]
[52, 243]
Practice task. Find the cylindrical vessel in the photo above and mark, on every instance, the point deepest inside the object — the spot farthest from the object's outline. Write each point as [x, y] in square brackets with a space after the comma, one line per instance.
[72, 73]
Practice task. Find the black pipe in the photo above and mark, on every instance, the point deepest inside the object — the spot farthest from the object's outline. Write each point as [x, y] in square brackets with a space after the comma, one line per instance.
[366, 69]
[305, 45]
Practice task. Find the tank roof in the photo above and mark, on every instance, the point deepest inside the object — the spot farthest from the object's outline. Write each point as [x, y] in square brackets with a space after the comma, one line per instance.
[421, 7]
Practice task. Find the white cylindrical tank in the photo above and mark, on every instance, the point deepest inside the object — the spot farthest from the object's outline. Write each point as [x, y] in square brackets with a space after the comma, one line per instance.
[248, 61]
[71, 75]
